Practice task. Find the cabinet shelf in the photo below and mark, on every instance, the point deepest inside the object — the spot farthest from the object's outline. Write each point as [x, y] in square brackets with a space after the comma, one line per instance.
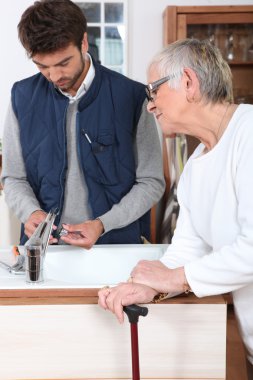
[240, 63]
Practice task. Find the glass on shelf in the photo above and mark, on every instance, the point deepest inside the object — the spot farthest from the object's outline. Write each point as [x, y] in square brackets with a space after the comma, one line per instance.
[250, 53]
[210, 33]
[197, 31]
[242, 96]
[224, 41]
[215, 33]
[230, 55]
[250, 48]
[235, 41]
[240, 43]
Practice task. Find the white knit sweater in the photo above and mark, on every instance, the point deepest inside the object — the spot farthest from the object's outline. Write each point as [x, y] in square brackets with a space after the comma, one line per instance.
[214, 234]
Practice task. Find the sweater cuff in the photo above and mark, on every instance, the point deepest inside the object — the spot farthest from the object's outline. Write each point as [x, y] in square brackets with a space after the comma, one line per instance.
[28, 210]
[106, 223]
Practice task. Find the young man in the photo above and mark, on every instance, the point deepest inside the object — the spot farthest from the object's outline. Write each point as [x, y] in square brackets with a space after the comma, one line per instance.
[78, 137]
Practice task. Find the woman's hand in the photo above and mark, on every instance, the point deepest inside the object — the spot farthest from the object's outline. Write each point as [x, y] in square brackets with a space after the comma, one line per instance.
[124, 294]
[159, 277]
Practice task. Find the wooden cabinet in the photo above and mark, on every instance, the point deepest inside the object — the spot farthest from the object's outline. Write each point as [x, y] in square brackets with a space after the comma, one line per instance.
[228, 27]
[63, 334]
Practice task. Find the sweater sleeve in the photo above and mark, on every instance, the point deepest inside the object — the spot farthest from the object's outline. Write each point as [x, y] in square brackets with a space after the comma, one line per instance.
[18, 193]
[149, 185]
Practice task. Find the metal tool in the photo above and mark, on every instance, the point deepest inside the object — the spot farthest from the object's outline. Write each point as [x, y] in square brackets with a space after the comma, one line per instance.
[74, 234]
[133, 312]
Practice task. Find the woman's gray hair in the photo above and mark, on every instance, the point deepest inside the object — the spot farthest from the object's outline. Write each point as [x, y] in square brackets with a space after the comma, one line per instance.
[213, 72]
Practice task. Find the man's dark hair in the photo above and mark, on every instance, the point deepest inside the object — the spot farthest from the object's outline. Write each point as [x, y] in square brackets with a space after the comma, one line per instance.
[50, 25]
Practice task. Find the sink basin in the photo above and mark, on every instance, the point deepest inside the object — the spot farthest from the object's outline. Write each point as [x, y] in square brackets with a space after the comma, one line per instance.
[73, 267]
[104, 264]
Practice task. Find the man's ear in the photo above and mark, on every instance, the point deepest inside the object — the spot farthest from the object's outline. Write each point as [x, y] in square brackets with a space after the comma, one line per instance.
[191, 85]
[85, 44]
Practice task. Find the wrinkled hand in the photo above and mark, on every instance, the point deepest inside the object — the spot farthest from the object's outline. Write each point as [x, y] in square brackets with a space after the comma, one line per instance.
[84, 234]
[33, 221]
[159, 277]
[124, 294]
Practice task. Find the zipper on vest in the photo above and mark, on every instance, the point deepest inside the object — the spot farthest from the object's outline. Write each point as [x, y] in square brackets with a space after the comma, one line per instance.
[62, 180]
[77, 137]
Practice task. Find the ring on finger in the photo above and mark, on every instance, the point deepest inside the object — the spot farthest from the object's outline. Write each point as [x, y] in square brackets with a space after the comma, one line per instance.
[105, 287]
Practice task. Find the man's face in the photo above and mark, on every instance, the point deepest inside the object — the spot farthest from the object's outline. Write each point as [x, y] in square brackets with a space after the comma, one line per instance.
[65, 68]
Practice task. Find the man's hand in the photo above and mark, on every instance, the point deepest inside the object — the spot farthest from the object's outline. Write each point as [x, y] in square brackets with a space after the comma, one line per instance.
[124, 294]
[84, 234]
[33, 221]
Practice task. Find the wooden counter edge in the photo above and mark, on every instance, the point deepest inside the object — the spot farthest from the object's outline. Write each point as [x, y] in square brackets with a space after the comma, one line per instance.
[83, 296]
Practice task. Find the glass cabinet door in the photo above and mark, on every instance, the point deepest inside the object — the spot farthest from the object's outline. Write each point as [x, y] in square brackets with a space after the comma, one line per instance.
[234, 41]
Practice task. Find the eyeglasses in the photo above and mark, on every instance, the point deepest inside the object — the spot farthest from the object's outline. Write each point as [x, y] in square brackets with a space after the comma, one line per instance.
[152, 88]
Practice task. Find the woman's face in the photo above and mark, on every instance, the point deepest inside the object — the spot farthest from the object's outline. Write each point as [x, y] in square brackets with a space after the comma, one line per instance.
[168, 104]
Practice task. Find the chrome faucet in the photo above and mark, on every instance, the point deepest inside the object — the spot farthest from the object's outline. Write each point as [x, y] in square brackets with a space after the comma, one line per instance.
[36, 246]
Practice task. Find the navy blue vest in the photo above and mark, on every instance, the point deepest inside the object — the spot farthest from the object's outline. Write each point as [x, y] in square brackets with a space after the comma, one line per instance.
[108, 114]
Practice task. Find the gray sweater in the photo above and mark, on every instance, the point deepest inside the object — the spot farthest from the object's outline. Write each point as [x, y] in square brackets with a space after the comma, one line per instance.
[146, 192]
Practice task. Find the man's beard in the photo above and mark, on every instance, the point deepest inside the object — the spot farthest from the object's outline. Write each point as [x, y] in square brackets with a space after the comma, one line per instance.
[71, 81]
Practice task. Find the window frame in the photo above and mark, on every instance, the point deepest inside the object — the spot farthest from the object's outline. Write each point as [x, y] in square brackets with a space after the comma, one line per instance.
[102, 25]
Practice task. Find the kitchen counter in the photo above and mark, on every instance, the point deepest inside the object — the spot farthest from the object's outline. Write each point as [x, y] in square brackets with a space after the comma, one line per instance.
[56, 330]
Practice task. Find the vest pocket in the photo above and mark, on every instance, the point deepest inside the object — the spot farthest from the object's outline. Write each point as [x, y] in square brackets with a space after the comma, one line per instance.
[104, 153]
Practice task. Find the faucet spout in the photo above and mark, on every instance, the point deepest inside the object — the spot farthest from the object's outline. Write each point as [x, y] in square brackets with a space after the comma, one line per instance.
[42, 233]
[36, 246]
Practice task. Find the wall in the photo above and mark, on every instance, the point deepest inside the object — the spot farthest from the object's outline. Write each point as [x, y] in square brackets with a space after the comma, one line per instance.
[14, 64]
[145, 38]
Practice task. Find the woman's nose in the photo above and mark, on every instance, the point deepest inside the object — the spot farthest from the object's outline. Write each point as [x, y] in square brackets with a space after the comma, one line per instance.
[151, 107]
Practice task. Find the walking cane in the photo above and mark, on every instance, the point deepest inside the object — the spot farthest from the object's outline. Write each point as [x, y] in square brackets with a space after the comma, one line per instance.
[133, 312]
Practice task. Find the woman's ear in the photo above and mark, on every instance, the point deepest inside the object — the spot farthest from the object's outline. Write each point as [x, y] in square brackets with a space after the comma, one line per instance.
[191, 85]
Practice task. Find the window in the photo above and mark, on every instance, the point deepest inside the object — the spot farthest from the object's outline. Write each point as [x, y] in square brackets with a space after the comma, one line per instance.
[107, 32]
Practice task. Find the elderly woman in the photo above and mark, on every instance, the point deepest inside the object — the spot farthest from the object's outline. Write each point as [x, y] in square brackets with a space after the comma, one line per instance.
[190, 92]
